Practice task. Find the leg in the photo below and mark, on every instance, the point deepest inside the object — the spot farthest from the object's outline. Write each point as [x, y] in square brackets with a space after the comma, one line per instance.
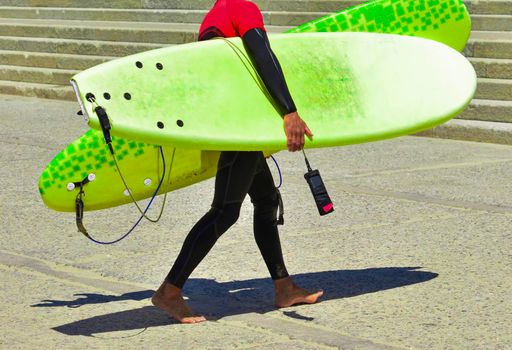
[264, 196]
[234, 176]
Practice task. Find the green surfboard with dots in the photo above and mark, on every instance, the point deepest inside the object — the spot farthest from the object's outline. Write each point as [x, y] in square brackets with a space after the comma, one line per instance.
[141, 164]
[445, 21]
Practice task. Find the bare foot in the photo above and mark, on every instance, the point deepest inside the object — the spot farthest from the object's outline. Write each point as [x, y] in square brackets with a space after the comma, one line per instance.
[169, 299]
[288, 294]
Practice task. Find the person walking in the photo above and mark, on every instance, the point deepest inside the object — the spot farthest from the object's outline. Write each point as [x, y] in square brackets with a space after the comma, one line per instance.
[241, 173]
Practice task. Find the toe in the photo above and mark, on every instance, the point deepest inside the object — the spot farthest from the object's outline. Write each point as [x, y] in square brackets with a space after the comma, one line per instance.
[317, 295]
[195, 319]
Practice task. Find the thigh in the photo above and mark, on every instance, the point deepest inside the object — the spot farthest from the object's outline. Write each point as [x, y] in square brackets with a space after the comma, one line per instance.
[262, 186]
[235, 174]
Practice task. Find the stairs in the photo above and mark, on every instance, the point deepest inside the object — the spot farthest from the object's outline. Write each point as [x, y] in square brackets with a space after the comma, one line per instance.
[489, 117]
[44, 42]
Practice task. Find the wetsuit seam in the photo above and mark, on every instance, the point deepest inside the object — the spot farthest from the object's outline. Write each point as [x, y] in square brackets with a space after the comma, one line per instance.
[197, 237]
[231, 163]
[229, 179]
[234, 201]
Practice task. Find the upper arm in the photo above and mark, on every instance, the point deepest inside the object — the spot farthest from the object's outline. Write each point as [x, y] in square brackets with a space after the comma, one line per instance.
[247, 16]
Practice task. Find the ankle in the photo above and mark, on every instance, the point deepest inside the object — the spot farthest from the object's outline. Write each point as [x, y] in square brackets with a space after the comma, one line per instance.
[283, 284]
[169, 290]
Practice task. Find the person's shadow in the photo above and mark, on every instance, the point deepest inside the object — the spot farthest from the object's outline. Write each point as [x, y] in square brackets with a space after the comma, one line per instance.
[217, 300]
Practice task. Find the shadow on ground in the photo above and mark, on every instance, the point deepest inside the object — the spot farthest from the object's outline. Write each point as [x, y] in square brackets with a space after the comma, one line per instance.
[216, 300]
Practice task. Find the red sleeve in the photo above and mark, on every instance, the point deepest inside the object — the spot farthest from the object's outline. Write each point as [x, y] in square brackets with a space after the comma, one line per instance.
[246, 16]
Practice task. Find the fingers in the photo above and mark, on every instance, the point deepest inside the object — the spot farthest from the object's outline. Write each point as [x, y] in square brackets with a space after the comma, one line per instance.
[296, 140]
[295, 129]
[293, 144]
[309, 134]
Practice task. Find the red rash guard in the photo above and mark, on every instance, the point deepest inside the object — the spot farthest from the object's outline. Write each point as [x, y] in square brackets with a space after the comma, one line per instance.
[230, 18]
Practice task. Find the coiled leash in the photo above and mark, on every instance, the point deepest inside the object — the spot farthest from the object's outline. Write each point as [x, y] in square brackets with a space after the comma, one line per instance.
[79, 204]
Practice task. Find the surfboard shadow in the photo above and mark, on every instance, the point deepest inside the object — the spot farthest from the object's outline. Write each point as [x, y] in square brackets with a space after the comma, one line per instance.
[221, 299]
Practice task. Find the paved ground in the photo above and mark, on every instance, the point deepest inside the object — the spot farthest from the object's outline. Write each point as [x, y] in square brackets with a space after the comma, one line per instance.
[416, 256]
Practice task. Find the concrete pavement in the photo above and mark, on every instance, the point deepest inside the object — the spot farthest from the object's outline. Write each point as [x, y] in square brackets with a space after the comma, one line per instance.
[416, 255]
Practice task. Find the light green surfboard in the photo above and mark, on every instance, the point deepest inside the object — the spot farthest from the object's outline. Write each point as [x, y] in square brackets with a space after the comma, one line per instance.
[140, 162]
[348, 87]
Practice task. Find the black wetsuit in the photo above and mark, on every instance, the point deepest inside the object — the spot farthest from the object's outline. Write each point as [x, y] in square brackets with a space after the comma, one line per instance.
[240, 173]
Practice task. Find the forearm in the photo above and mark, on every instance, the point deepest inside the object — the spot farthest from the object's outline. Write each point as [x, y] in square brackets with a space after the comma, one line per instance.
[257, 45]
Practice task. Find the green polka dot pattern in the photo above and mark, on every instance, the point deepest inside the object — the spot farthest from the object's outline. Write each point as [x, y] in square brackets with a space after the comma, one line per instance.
[445, 21]
[139, 162]
[87, 155]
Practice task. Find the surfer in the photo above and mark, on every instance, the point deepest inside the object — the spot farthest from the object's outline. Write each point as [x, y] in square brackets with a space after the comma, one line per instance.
[242, 173]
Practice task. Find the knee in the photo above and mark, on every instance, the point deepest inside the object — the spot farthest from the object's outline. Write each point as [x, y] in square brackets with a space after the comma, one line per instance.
[227, 216]
[267, 205]
[271, 200]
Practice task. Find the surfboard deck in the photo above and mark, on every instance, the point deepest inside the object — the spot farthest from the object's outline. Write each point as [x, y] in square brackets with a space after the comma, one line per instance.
[88, 154]
[348, 87]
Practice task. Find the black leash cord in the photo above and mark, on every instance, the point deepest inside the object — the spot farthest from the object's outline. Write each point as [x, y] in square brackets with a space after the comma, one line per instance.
[86, 234]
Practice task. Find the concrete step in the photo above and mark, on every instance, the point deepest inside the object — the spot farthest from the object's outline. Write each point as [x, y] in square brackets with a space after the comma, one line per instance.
[492, 67]
[490, 35]
[55, 92]
[75, 3]
[265, 5]
[485, 44]
[102, 14]
[36, 75]
[277, 18]
[488, 110]
[493, 7]
[144, 32]
[494, 89]
[50, 60]
[474, 6]
[491, 22]
[473, 130]
[79, 47]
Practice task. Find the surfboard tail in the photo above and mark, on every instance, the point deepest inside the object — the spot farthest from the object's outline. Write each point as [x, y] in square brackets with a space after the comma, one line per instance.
[79, 99]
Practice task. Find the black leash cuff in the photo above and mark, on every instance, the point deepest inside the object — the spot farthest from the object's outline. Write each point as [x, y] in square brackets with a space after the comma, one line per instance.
[79, 206]
[280, 220]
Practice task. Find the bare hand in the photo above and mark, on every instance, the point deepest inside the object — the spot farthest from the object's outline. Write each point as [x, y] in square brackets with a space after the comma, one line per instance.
[295, 129]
